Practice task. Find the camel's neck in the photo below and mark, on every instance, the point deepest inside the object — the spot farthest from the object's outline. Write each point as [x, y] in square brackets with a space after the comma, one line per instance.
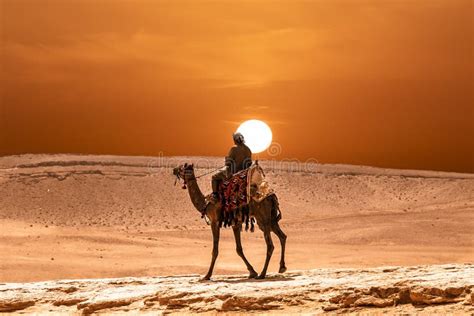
[195, 193]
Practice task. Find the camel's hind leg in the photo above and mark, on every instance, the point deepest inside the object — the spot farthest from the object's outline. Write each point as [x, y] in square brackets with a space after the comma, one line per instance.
[240, 251]
[215, 248]
[270, 247]
[281, 235]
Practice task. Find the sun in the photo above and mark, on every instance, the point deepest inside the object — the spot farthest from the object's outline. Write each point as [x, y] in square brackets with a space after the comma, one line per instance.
[258, 135]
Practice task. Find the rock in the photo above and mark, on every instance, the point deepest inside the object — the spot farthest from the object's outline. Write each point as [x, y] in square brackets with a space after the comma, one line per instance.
[235, 303]
[454, 291]
[89, 307]
[434, 291]
[68, 301]
[418, 298]
[165, 299]
[403, 296]
[344, 290]
[67, 290]
[329, 308]
[149, 303]
[70, 289]
[383, 292]
[12, 305]
[336, 299]
[350, 300]
[373, 301]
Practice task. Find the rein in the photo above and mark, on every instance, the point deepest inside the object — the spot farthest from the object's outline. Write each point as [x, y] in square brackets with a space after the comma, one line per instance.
[206, 173]
[178, 176]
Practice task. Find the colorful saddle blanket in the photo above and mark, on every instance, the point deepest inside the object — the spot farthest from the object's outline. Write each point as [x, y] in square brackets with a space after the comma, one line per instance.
[236, 193]
[233, 192]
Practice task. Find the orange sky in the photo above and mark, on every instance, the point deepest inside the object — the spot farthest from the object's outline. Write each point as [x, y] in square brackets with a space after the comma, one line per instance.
[375, 82]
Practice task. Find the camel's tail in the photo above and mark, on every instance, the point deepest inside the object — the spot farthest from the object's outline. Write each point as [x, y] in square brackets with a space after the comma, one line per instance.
[276, 213]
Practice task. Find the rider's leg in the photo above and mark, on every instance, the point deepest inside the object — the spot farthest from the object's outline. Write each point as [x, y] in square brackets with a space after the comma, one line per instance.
[216, 181]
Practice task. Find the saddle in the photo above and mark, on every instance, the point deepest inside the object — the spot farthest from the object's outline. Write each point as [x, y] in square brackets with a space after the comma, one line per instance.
[236, 193]
[233, 191]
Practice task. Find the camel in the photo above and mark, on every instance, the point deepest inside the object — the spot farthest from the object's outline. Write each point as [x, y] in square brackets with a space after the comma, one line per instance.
[266, 214]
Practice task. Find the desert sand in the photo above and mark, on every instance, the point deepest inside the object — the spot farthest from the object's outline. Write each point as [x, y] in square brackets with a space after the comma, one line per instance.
[82, 216]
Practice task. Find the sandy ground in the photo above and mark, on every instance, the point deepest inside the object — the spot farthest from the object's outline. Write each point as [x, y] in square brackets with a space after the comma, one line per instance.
[77, 216]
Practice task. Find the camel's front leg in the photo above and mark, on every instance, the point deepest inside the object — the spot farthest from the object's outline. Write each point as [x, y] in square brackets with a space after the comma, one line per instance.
[240, 251]
[270, 247]
[215, 248]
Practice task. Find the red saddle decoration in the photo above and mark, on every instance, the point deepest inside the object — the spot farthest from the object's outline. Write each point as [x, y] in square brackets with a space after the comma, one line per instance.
[233, 192]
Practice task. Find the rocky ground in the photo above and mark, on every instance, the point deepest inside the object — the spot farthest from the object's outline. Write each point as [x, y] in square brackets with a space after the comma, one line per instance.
[419, 289]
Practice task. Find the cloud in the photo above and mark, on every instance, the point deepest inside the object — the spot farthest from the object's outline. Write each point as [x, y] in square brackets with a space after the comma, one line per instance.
[248, 46]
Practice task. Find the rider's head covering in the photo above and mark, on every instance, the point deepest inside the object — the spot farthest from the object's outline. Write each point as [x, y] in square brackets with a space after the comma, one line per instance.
[238, 138]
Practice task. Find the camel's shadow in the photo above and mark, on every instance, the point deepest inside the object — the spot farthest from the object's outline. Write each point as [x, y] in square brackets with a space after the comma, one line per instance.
[236, 280]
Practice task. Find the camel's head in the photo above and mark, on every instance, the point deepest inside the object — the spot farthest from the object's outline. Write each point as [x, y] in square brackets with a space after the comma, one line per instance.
[184, 172]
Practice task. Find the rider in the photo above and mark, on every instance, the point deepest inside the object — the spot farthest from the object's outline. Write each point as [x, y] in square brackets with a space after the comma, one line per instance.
[239, 158]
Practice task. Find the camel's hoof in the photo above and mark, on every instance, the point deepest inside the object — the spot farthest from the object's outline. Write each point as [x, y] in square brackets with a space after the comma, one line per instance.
[261, 277]
[253, 275]
[205, 278]
[282, 269]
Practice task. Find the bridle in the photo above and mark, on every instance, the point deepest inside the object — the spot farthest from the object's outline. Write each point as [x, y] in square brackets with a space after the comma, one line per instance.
[180, 175]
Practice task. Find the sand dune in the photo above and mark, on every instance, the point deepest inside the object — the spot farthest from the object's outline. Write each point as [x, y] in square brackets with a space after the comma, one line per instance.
[81, 216]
